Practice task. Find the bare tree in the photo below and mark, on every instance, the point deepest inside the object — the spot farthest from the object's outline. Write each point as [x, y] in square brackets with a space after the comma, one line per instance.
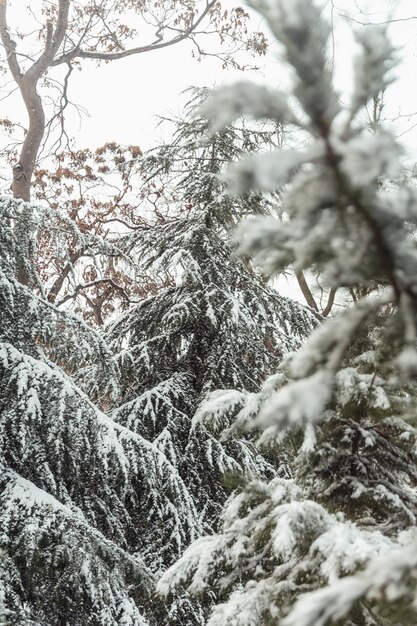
[97, 197]
[312, 301]
[27, 82]
[102, 30]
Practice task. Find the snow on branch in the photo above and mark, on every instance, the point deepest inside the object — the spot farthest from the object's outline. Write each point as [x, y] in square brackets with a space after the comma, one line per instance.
[338, 408]
[228, 103]
[386, 574]
[270, 170]
[372, 66]
[299, 26]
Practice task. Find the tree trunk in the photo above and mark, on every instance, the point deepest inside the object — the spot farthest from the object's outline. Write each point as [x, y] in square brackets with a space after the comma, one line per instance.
[27, 83]
[23, 171]
[305, 289]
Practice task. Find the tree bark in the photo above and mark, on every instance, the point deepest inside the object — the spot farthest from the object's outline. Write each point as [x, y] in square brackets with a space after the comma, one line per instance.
[326, 311]
[28, 83]
[22, 174]
[305, 289]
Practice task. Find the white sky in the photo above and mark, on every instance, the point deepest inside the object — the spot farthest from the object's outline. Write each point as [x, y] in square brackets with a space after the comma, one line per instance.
[123, 97]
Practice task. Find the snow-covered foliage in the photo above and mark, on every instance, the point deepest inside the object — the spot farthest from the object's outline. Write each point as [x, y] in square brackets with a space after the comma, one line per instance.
[85, 502]
[102, 504]
[31, 322]
[229, 103]
[340, 412]
[276, 544]
[59, 567]
[217, 325]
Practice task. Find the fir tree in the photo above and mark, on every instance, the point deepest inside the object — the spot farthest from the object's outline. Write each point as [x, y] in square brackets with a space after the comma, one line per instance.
[83, 500]
[343, 406]
[218, 325]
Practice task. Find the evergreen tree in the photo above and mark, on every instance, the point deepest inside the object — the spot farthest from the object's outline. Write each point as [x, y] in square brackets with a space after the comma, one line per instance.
[91, 507]
[343, 407]
[83, 500]
[218, 325]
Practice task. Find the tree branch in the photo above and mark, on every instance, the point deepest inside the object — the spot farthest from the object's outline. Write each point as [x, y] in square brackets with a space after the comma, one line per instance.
[330, 302]
[96, 283]
[27, 82]
[9, 45]
[54, 40]
[77, 52]
[305, 289]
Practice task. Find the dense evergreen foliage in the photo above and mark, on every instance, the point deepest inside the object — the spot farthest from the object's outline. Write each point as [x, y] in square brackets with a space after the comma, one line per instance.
[217, 455]
[81, 496]
[94, 506]
[218, 325]
[342, 408]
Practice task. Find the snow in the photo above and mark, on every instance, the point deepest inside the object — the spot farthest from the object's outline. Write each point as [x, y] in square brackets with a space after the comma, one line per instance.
[407, 361]
[244, 98]
[197, 558]
[219, 325]
[351, 385]
[367, 158]
[299, 402]
[373, 65]
[319, 607]
[309, 440]
[245, 606]
[130, 615]
[270, 170]
[25, 493]
[334, 602]
[216, 406]
[344, 548]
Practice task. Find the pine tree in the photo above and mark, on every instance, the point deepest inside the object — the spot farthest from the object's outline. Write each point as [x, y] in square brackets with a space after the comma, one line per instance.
[83, 500]
[218, 325]
[343, 406]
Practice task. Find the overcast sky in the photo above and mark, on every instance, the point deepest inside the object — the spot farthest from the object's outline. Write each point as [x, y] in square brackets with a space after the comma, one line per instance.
[122, 98]
[128, 94]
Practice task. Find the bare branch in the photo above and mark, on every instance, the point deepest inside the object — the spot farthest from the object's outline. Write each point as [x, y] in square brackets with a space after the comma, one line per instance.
[9, 45]
[121, 54]
[54, 40]
[94, 283]
[305, 289]
[330, 302]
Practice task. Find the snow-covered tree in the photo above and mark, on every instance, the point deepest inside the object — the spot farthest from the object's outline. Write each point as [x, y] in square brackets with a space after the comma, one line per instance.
[342, 528]
[218, 325]
[84, 501]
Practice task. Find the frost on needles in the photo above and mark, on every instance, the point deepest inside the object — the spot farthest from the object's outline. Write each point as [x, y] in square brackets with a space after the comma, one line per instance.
[82, 499]
[336, 539]
[95, 507]
[216, 325]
